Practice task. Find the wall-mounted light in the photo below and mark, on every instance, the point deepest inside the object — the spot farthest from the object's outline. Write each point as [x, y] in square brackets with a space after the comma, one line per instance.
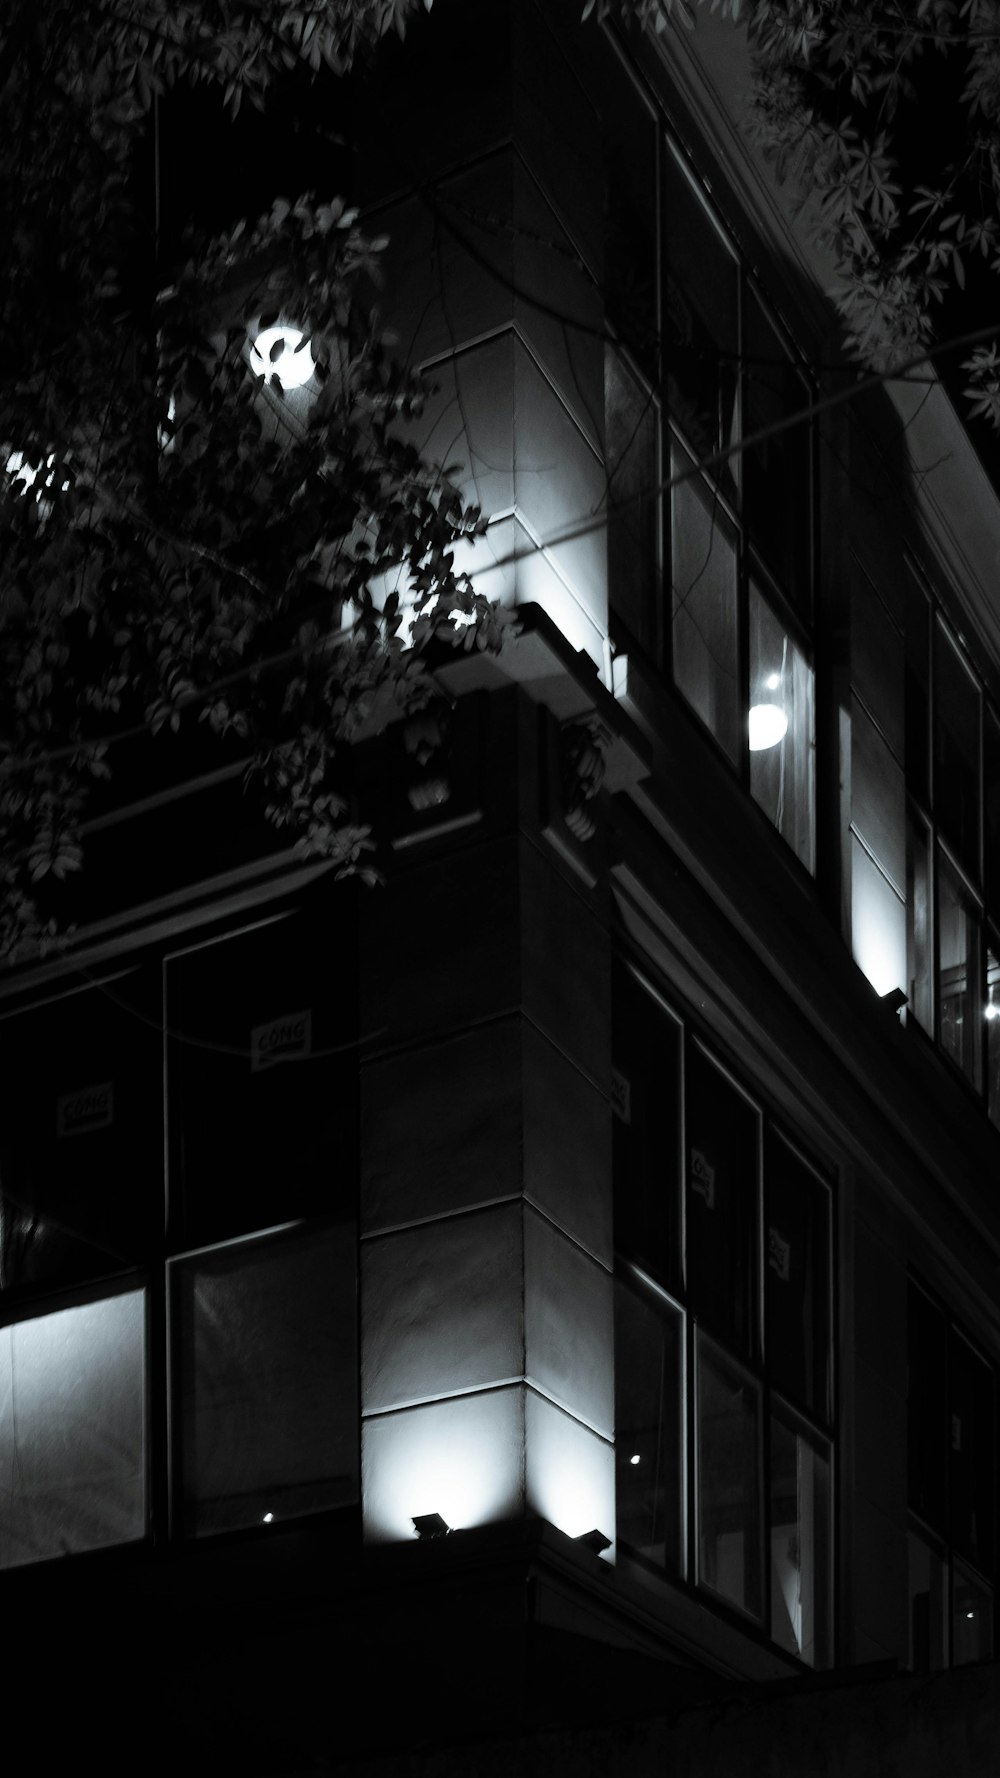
[428, 1525]
[991, 1010]
[634, 1459]
[282, 352]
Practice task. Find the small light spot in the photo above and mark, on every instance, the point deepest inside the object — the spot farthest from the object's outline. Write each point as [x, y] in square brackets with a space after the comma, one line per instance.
[634, 1459]
[970, 1614]
[773, 681]
[267, 1519]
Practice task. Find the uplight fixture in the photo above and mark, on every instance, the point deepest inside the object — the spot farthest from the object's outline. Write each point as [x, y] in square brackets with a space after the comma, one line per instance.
[594, 1540]
[429, 1525]
[768, 726]
[991, 1010]
[292, 363]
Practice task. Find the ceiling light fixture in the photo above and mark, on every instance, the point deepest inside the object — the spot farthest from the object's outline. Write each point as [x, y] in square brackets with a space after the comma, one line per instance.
[768, 726]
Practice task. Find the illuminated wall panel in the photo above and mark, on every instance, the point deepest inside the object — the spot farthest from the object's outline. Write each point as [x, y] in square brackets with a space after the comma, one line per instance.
[569, 1324]
[462, 1458]
[441, 1307]
[570, 1477]
[878, 924]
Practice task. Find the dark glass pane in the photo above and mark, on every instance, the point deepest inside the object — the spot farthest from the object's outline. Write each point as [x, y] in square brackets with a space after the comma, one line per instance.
[971, 1618]
[81, 1142]
[262, 1075]
[960, 993]
[723, 1133]
[956, 751]
[781, 730]
[917, 702]
[729, 1487]
[631, 443]
[700, 321]
[927, 1582]
[705, 642]
[71, 1430]
[265, 1345]
[801, 1541]
[919, 925]
[992, 1017]
[647, 1161]
[927, 1410]
[777, 472]
[649, 1427]
[972, 1468]
[630, 150]
[991, 811]
[797, 1280]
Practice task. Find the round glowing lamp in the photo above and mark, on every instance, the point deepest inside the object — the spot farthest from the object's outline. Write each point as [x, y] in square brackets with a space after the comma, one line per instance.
[768, 726]
[293, 365]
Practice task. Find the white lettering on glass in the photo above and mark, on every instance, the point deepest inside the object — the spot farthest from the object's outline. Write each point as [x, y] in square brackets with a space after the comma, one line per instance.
[703, 1177]
[286, 1039]
[87, 1108]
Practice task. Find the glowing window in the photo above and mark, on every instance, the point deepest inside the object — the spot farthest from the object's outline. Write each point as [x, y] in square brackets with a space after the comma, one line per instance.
[71, 1430]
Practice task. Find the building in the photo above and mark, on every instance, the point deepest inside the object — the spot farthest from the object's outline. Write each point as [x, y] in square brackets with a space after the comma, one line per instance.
[613, 1189]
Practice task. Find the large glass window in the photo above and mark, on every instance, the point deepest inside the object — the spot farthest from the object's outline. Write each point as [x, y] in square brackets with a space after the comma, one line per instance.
[694, 1369]
[730, 1521]
[721, 1201]
[257, 1029]
[267, 1379]
[956, 751]
[705, 604]
[650, 1434]
[740, 520]
[262, 1078]
[781, 729]
[801, 1540]
[72, 1456]
[81, 1144]
[960, 994]
[951, 1412]
[700, 319]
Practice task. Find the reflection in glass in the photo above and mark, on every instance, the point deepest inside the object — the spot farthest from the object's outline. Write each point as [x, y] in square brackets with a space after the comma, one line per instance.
[728, 1480]
[797, 1279]
[800, 1542]
[649, 1430]
[992, 1017]
[266, 1342]
[919, 930]
[956, 750]
[706, 661]
[700, 329]
[971, 1618]
[777, 470]
[781, 727]
[721, 1202]
[959, 995]
[928, 1616]
[647, 1130]
[71, 1430]
[632, 455]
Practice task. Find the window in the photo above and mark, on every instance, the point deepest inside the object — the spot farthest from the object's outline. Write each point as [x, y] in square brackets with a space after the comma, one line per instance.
[232, 1271]
[952, 854]
[740, 522]
[724, 1391]
[952, 1472]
